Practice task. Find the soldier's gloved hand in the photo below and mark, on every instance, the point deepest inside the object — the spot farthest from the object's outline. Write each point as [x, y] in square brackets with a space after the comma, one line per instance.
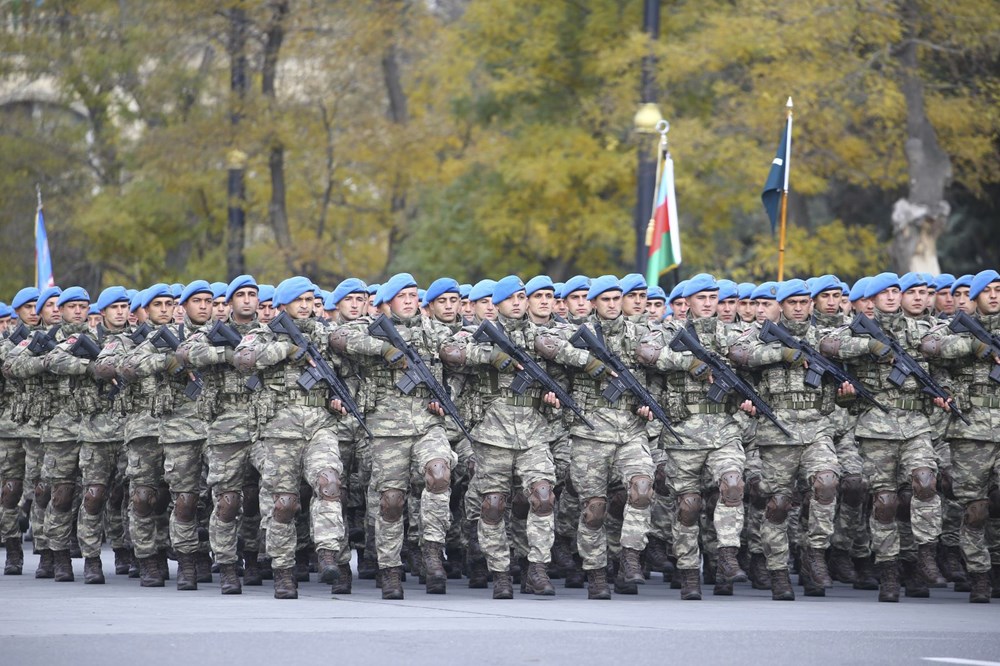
[394, 358]
[295, 352]
[879, 350]
[793, 357]
[698, 368]
[595, 368]
[501, 361]
[228, 354]
[980, 349]
[175, 365]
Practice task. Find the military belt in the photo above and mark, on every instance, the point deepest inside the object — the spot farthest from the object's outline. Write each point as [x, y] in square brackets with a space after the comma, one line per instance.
[986, 402]
[307, 400]
[706, 408]
[909, 404]
[983, 391]
[523, 401]
[796, 404]
[234, 399]
[621, 404]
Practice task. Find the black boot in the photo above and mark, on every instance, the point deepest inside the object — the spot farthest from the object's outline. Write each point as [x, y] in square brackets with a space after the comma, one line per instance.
[301, 569]
[760, 577]
[123, 558]
[575, 577]
[867, 575]
[251, 569]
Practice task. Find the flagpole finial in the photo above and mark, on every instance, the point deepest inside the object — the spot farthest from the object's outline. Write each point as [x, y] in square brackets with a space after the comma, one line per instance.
[789, 102]
[38, 192]
[663, 127]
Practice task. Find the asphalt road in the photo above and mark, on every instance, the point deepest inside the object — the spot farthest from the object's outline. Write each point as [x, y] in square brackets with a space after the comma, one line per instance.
[44, 622]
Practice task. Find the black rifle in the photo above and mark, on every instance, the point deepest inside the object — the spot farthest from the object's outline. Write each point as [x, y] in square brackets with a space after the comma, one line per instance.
[819, 366]
[85, 347]
[724, 379]
[584, 338]
[319, 370]
[904, 365]
[416, 372]
[224, 335]
[43, 342]
[141, 332]
[165, 339]
[963, 323]
[19, 334]
[530, 371]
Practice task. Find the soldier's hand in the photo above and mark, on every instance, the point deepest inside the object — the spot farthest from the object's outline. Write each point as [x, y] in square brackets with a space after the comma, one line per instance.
[748, 407]
[596, 369]
[174, 365]
[501, 361]
[793, 357]
[944, 404]
[845, 389]
[645, 412]
[394, 358]
[295, 352]
[879, 350]
[699, 369]
[551, 399]
[337, 406]
[435, 408]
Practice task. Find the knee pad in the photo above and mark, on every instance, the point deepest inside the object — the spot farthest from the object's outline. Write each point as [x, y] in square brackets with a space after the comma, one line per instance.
[777, 508]
[519, 506]
[11, 493]
[328, 485]
[616, 504]
[391, 504]
[286, 505]
[437, 476]
[852, 490]
[640, 491]
[251, 501]
[825, 487]
[994, 503]
[924, 482]
[93, 498]
[884, 506]
[162, 499]
[62, 497]
[227, 506]
[43, 493]
[186, 507]
[542, 498]
[493, 507]
[731, 489]
[976, 514]
[594, 510]
[143, 501]
[903, 509]
[689, 509]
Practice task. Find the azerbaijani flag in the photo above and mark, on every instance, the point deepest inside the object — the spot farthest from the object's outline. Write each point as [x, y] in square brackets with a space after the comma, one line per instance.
[664, 240]
[43, 260]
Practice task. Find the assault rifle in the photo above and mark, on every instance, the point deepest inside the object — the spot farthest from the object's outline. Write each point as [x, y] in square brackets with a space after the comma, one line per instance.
[165, 339]
[963, 323]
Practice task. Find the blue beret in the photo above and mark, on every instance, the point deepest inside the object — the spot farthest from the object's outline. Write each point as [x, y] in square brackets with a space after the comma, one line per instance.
[765, 291]
[858, 290]
[789, 288]
[746, 288]
[668, 312]
[908, 281]
[880, 283]
[421, 295]
[943, 281]
[196, 287]
[46, 294]
[482, 289]
[93, 310]
[373, 288]
[348, 286]
[440, 287]
[575, 283]
[601, 284]
[464, 289]
[559, 286]
[321, 295]
[328, 303]
[963, 281]
[5, 310]
[156, 291]
[24, 297]
[633, 282]
[317, 292]
[844, 288]
[110, 296]
[656, 293]
[677, 291]
[728, 289]
[391, 288]
[218, 289]
[239, 283]
[823, 283]
[136, 301]
[981, 281]
[265, 292]
[700, 282]
[176, 290]
[538, 283]
[290, 289]
[506, 287]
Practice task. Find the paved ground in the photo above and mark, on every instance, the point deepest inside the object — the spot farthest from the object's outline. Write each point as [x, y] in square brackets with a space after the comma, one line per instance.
[43, 622]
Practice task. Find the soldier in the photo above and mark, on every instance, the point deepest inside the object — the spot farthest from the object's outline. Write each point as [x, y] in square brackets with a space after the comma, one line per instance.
[960, 293]
[746, 308]
[859, 303]
[298, 437]
[559, 307]
[481, 297]
[372, 294]
[728, 301]
[578, 306]
[220, 308]
[465, 310]
[94, 317]
[265, 307]
[656, 304]
[676, 301]
[944, 302]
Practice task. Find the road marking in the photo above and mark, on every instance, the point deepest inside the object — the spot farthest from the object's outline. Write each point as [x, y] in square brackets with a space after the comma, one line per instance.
[964, 662]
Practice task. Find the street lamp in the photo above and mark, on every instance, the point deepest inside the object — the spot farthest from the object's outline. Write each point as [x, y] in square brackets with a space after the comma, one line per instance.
[645, 124]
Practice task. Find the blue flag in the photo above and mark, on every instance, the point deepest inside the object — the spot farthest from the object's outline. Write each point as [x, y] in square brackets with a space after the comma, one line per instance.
[43, 260]
[777, 177]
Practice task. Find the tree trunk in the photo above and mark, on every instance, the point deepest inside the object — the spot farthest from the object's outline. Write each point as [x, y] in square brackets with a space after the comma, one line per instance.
[277, 209]
[238, 84]
[399, 115]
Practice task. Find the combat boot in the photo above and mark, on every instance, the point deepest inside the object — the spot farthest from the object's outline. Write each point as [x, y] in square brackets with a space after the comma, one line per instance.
[575, 577]
[229, 579]
[453, 563]
[437, 578]
[562, 558]
[810, 588]
[630, 567]
[301, 568]
[538, 580]
[149, 572]
[727, 567]
[251, 569]
[93, 571]
[912, 580]
[163, 565]
[781, 585]
[392, 586]
[62, 566]
[123, 558]
[502, 586]
[597, 584]
[515, 569]
[264, 565]
[981, 587]
[203, 566]
[616, 574]
[343, 584]
[326, 561]
[888, 587]
[285, 585]
[187, 572]
[657, 558]
[927, 566]
[840, 566]
[522, 565]
[953, 569]
[814, 560]
[367, 565]
[995, 581]
[760, 577]
[690, 584]
[478, 573]
[15, 557]
[866, 574]
[45, 565]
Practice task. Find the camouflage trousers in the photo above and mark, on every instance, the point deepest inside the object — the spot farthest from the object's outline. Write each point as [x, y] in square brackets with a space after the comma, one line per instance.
[497, 469]
[685, 469]
[265, 500]
[568, 506]
[974, 466]
[395, 461]
[850, 528]
[781, 466]
[102, 470]
[182, 467]
[148, 530]
[21, 460]
[228, 476]
[661, 513]
[886, 463]
[755, 506]
[60, 471]
[593, 466]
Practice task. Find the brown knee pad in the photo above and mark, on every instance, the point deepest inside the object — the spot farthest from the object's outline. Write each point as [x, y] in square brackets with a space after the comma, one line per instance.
[391, 504]
[594, 510]
[825, 487]
[144, 501]
[286, 505]
[11, 493]
[328, 485]
[731, 489]
[93, 498]
[62, 497]
[884, 506]
[689, 509]
[437, 476]
[493, 507]
[43, 493]
[977, 513]
[777, 508]
[186, 507]
[852, 490]
[519, 506]
[640, 491]
[924, 481]
[542, 498]
[228, 505]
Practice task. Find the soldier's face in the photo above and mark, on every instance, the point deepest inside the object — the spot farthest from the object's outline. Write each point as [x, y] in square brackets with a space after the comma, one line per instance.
[865, 306]
[484, 309]
[265, 312]
[93, 320]
[199, 308]
[963, 302]
[655, 309]
[608, 305]
[540, 304]
[353, 306]
[727, 310]
[444, 308]
[514, 306]
[703, 304]
[27, 314]
[160, 310]
[944, 301]
[244, 304]
[988, 300]
[796, 308]
[828, 302]
[845, 303]
[302, 307]
[115, 315]
[406, 303]
[577, 304]
[746, 309]
[4, 325]
[680, 308]
[634, 302]
[178, 314]
[560, 308]
[468, 310]
[74, 312]
[887, 300]
[318, 308]
[914, 301]
[220, 309]
[768, 310]
[50, 312]
[140, 315]
[372, 309]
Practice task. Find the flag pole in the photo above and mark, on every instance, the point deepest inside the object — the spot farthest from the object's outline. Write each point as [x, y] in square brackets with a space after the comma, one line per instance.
[784, 195]
[662, 127]
[38, 193]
